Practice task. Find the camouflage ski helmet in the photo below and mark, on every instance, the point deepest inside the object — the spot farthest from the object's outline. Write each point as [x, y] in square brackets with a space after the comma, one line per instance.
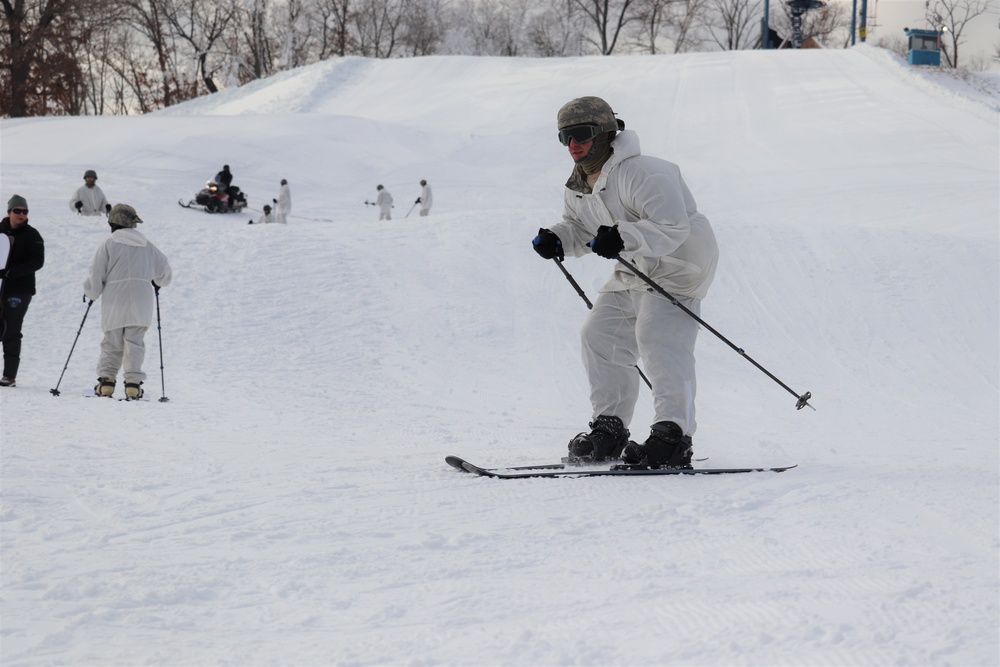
[123, 215]
[90, 173]
[589, 111]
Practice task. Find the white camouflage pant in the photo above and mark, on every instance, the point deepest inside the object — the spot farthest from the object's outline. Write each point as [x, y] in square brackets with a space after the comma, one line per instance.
[627, 326]
[126, 345]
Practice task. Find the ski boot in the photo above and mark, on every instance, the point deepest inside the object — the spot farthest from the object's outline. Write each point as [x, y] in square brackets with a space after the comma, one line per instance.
[133, 390]
[7, 382]
[666, 447]
[604, 442]
[105, 386]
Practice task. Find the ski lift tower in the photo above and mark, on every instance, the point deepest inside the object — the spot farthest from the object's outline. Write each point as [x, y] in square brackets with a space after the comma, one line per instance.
[800, 7]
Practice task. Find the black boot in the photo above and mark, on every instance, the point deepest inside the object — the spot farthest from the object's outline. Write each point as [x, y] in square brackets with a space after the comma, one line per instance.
[605, 441]
[666, 447]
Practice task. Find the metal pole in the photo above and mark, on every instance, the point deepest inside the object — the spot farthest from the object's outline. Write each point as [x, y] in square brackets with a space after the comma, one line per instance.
[803, 399]
[159, 335]
[55, 392]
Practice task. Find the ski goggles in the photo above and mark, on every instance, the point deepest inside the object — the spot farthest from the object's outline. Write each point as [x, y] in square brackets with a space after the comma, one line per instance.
[580, 133]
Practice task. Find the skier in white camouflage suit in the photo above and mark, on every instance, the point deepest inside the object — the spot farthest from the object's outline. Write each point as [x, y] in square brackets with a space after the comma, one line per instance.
[124, 271]
[618, 201]
[89, 199]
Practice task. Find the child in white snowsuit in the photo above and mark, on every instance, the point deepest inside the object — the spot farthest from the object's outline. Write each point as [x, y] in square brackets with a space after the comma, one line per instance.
[124, 270]
[266, 217]
[283, 203]
[426, 198]
[384, 203]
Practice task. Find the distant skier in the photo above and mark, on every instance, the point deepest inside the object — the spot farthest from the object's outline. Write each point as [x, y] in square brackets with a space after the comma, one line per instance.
[384, 203]
[124, 270]
[425, 199]
[27, 255]
[618, 201]
[89, 199]
[267, 217]
[283, 203]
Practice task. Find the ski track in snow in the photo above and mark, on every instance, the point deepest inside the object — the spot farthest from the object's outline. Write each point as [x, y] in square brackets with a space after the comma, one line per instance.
[290, 504]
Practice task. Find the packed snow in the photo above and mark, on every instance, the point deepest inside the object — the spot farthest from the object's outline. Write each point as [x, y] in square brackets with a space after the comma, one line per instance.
[290, 504]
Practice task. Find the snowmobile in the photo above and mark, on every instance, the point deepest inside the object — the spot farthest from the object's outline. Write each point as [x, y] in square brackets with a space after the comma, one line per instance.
[214, 199]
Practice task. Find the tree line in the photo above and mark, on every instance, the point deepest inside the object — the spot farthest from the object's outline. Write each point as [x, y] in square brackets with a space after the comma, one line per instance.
[88, 57]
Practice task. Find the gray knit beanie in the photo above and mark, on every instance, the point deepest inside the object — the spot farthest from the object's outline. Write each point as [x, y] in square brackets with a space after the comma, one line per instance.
[17, 201]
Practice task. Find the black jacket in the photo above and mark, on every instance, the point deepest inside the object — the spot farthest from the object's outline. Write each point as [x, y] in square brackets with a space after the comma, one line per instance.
[27, 255]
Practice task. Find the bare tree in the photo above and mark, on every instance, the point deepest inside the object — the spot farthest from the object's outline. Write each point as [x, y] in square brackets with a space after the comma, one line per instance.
[333, 20]
[650, 21]
[952, 16]
[202, 25]
[378, 25]
[423, 28]
[148, 17]
[608, 18]
[683, 19]
[734, 23]
[38, 37]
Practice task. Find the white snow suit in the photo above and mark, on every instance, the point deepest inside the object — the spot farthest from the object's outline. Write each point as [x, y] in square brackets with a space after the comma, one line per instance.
[384, 203]
[122, 271]
[426, 200]
[284, 205]
[93, 200]
[267, 218]
[671, 242]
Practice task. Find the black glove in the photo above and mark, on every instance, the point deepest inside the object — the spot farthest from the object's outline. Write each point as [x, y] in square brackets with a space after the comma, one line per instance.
[547, 244]
[418, 201]
[79, 205]
[608, 242]
[275, 201]
[107, 208]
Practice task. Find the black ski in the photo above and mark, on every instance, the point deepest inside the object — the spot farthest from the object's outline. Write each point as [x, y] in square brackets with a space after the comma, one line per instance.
[619, 470]
[456, 462]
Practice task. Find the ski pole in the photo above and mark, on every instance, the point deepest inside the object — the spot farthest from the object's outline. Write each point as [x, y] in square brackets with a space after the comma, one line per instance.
[55, 392]
[803, 399]
[159, 335]
[590, 306]
[411, 209]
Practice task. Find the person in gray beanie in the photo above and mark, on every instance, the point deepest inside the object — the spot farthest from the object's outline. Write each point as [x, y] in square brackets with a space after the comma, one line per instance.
[620, 202]
[125, 270]
[27, 255]
[88, 198]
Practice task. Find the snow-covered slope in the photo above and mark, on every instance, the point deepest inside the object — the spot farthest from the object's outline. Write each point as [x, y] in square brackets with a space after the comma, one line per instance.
[290, 503]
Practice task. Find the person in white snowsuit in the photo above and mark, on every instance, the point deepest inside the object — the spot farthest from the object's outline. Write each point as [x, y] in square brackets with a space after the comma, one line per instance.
[384, 203]
[125, 269]
[283, 203]
[266, 217]
[620, 202]
[88, 198]
[426, 199]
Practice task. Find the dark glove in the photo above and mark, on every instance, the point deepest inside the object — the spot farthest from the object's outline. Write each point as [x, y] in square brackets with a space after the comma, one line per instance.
[107, 208]
[608, 242]
[418, 201]
[79, 205]
[547, 244]
[275, 201]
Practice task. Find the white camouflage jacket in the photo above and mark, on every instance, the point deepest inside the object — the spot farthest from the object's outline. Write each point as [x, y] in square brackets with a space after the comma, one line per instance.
[122, 270]
[93, 199]
[664, 234]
